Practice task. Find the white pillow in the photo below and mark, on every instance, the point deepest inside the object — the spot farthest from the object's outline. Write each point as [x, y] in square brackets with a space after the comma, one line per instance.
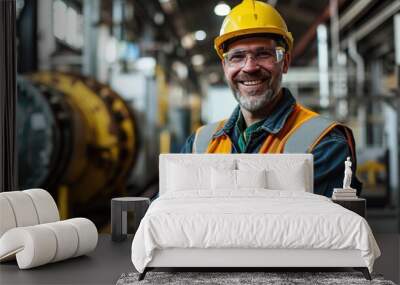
[184, 175]
[237, 179]
[282, 174]
[251, 178]
[223, 179]
[187, 178]
[296, 181]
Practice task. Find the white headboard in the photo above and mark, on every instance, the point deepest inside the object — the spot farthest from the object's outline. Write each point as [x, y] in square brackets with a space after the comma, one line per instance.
[283, 163]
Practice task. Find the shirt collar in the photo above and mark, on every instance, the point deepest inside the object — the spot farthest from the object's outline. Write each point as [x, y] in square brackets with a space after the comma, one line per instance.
[241, 125]
[273, 123]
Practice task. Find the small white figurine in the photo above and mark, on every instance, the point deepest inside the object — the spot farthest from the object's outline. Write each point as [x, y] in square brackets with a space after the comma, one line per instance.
[347, 174]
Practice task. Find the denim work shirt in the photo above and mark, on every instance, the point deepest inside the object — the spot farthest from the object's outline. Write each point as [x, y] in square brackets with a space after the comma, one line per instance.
[329, 154]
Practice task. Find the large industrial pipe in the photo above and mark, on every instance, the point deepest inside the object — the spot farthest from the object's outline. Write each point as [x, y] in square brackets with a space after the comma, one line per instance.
[77, 139]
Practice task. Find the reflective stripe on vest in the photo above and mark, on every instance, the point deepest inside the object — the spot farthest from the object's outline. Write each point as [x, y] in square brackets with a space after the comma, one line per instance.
[304, 137]
[203, 137]
[302, 131]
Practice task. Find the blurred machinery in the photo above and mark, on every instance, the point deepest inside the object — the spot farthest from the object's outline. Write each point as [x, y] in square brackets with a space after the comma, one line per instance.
[373, 169]
[77, 138]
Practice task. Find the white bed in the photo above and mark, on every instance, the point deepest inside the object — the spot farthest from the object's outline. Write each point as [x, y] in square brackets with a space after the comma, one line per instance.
[267, 218]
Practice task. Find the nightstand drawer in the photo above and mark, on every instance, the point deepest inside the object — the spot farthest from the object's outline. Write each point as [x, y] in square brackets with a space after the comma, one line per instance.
[357, 205]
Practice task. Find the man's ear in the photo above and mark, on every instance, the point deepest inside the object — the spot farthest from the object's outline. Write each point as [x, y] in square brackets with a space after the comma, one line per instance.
[286, 62]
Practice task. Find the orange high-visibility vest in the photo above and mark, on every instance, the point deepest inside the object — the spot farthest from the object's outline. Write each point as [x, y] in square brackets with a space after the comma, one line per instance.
[302, 131]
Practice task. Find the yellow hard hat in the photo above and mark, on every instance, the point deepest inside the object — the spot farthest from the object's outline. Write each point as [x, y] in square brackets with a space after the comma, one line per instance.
[252, 17]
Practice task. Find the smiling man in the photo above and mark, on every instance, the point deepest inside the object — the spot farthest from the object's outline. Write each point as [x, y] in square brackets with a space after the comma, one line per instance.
[255, 48]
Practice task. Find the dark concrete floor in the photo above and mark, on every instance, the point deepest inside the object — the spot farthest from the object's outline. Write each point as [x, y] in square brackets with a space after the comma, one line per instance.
[106, 264]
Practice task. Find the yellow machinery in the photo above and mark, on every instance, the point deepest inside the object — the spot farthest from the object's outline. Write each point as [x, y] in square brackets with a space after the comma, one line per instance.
[371, 169]
[83, 146]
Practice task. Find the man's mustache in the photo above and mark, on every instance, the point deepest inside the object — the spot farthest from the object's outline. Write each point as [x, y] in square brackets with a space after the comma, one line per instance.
[259, 75]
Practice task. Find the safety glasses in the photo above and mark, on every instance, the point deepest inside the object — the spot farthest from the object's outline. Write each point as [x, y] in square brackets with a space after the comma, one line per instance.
[237, 58]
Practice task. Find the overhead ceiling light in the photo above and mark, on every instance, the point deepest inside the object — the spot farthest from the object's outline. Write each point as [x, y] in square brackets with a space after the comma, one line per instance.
[180, 69]
[200, 35]
[188, 41]
[222, 9]
[197, 59]
[159, 18]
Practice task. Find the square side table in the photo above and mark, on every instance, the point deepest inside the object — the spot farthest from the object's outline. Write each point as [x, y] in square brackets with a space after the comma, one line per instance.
[357, 205]
[119, 216]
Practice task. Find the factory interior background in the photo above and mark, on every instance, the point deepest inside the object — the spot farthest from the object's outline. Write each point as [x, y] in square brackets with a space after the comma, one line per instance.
[105, 86]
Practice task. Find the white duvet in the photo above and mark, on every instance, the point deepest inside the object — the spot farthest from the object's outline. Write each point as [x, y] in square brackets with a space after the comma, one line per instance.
[254, 218]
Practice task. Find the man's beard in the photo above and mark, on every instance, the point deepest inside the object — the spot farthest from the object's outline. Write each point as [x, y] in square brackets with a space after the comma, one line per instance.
[256, 101]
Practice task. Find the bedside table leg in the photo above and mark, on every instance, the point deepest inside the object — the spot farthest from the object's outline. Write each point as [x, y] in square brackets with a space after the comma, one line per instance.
[364, 271]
